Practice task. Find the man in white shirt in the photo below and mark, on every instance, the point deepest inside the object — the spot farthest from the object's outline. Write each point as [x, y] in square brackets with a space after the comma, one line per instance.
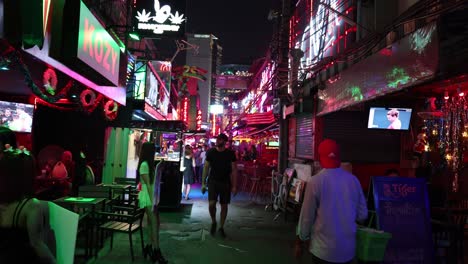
[333, 202]
[392, 116]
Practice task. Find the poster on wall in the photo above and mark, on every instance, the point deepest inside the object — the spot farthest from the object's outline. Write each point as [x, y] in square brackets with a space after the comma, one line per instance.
[159, 18]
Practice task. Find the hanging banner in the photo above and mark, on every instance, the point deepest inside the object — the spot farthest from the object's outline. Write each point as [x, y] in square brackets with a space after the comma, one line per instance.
[154, 18]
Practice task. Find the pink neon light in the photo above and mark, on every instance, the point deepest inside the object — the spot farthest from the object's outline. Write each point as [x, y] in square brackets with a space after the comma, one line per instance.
[214, 125]
[116, 93]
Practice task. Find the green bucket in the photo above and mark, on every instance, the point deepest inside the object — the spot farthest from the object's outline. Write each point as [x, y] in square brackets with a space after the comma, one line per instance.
[371, 244]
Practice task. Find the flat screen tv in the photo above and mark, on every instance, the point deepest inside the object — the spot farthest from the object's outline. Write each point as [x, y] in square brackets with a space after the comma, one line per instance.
[16, 116]
[389, 118]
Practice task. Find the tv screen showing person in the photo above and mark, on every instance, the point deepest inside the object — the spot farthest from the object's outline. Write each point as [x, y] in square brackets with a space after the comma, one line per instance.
[16, 116]
[389, 118]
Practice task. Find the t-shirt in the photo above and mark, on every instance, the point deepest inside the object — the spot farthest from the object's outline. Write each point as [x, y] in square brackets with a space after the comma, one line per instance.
[144, 168]
[328, 219]
[220, 165]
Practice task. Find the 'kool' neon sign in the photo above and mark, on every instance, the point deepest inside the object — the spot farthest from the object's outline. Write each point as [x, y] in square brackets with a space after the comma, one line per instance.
[96, 47]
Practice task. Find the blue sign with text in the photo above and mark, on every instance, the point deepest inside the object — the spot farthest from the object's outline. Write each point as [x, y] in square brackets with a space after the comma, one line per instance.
[402, 208]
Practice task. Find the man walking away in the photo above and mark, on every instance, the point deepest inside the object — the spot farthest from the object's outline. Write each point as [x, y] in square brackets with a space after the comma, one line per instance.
[333, 202]
[221, 164]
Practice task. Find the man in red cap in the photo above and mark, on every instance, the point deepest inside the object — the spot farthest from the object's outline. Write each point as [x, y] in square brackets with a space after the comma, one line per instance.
[221, 164]
[333, 202]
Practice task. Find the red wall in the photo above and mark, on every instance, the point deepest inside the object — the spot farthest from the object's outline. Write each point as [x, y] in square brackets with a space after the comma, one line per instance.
[24, 139]
[365, 171]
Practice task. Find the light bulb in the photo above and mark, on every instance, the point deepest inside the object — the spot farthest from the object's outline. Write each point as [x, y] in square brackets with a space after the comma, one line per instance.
[460, 92]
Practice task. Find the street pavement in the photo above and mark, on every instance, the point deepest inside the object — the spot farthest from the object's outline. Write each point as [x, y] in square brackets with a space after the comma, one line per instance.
[254, 235]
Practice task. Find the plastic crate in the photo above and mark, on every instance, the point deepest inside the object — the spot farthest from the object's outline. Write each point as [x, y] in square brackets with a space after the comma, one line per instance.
[371, 244]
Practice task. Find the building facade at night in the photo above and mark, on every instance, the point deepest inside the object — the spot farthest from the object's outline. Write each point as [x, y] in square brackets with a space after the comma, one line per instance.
[351, 65]
[209, 58]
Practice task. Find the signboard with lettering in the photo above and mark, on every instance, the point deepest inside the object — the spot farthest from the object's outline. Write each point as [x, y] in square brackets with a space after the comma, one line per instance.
[159, 18]
[84, 45]
[96, 47]
[402, 208]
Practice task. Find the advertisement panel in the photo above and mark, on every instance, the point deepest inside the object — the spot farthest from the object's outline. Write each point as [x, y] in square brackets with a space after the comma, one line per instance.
[411, 61]
[154, 18]
[321, 29]
[96, 47]
[158, 83]
[63, 23]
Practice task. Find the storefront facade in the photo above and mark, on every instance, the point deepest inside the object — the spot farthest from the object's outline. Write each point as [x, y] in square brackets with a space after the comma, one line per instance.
[70, 68]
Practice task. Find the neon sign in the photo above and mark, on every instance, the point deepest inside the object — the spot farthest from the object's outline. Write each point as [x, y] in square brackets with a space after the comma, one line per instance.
[322, 31]
[96, 47]
[213, 125]
[159, 17]
[165, 66]
[265, 85]
[184, 110]
[199, 119]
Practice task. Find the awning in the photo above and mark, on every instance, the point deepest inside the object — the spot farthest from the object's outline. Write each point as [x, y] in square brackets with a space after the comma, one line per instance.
[259, 119]
[256, 131]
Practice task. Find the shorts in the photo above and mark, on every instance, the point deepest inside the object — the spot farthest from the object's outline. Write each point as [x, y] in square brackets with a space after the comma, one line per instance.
[221, 189]
[317, 260]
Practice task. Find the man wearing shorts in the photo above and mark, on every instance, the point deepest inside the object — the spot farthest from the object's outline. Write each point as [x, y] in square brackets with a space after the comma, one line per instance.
[221, 163]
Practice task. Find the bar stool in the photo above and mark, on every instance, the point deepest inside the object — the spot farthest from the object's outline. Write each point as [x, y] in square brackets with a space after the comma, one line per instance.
[254, 183]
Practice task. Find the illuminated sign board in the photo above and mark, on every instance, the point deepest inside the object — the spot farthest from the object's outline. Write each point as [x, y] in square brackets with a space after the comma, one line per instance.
[159, 18]
[216, 109]
[61, 21]
[184, 109]
[265, 85]
[199, 119]
[158, 83]
[96, 47]
[319, 31]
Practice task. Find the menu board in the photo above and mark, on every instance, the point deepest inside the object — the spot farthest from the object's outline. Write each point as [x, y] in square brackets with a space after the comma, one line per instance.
[402, 208]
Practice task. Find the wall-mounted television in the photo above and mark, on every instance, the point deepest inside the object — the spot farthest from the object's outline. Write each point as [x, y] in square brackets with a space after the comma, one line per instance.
[392, 118]
[16, 116]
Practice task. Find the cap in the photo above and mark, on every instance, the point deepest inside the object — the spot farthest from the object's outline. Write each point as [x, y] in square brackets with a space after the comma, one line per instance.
[222, 136]
[329, 154]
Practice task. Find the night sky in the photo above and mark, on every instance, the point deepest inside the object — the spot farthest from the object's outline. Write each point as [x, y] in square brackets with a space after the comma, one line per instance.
[241, 26]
